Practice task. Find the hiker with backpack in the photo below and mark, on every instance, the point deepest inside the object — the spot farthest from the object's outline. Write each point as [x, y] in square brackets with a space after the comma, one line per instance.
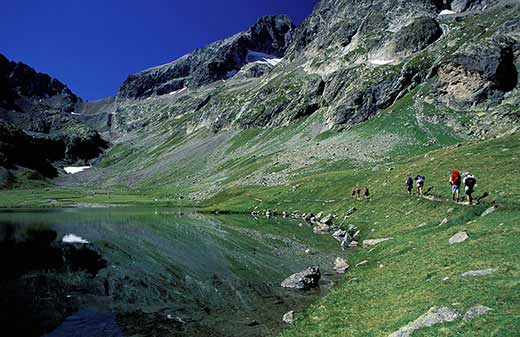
[469, 186]
[455, 181]
[358, 193]
[366, 194]
[409, 185]
[419, 182]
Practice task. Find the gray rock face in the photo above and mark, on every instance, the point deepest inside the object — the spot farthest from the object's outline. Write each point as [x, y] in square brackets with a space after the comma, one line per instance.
[476, 311]
[303, 280]
[220, 60]
[434, 316]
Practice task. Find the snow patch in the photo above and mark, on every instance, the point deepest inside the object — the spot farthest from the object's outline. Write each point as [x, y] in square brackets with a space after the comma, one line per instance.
[447, 12]
[75, 113]
[73, 238]
[76, 169]
[262, 58]
[178, 91]
[379, 62]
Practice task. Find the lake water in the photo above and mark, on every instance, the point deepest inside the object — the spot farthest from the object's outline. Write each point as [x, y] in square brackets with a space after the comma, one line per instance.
[169, 273]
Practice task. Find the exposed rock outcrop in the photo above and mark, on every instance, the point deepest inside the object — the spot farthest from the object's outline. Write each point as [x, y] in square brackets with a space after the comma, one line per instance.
[303, 280]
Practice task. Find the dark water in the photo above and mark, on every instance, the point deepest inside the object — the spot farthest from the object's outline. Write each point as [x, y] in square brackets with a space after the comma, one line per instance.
[172, 274]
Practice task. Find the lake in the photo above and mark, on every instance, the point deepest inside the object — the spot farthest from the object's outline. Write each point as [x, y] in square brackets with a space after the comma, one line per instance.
[168, 272]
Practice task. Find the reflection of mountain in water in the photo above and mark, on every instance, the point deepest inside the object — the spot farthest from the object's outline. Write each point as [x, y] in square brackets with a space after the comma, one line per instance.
[166, 274]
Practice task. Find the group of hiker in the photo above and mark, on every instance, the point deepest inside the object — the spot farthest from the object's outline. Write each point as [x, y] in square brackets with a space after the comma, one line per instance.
[356, 193]
[456, 180]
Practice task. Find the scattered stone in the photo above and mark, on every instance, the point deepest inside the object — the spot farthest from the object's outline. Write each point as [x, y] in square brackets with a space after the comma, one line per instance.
[458, 238]
[288, 317]
[340, 265]
[304, 280]
[434, 316]
[476, 311]
[443, 222]
[482, 272]
[373, 242]
[488, 211]
[446, 278]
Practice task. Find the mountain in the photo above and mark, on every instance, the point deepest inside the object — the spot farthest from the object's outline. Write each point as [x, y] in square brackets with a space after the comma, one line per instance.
[38, 125]
[268, 38]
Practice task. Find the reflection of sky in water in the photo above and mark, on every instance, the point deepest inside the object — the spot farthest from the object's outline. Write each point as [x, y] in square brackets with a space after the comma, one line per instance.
[88, 323]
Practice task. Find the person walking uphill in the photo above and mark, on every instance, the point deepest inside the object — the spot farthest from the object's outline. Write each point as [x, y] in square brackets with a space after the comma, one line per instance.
[469, 186]
[409, 185]
[419, 182]
[455, 181]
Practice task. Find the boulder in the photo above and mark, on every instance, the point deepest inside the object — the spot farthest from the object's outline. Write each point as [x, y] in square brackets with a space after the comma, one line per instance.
[458, 238]
[340, 265]
[434, 316]
[339, 235]
[288, 317]
[304, 280]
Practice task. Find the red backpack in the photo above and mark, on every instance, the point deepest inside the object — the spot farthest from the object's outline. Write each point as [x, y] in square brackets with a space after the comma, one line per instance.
[455, 177]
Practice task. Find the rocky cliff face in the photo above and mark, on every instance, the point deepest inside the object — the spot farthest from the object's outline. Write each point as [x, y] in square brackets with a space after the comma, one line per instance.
[348, 61]
[37, 121]
[268, 38]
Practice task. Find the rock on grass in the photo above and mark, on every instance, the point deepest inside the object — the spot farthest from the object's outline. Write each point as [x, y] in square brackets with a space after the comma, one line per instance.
[434, 316]
[458, 238]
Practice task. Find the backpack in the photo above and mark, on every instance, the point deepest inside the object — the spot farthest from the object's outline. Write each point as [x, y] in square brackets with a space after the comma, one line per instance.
[471, 181]
[409, 181]
[455, 177]
[421, 178]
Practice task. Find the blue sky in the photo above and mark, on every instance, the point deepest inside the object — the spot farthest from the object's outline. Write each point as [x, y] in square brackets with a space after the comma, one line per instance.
[92, 46]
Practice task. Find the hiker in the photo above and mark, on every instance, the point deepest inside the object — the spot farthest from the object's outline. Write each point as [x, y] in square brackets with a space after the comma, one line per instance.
[353, 193]
[409, 185]
[469, 186]
[419, 182]
[366, 194]
[455, 181]
[358, 193]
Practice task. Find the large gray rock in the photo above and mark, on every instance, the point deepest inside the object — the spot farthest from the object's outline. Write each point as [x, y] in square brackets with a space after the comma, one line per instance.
[304, 280]
[270, 35]
[476, 311]
[434, 316]
[458, 238]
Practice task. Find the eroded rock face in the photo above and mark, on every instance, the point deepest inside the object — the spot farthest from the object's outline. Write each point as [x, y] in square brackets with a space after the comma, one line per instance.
[220, 60]
[482, 73]
[304, 280]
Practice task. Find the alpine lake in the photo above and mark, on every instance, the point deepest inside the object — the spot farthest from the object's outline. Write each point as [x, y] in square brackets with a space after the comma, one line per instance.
[155, 272]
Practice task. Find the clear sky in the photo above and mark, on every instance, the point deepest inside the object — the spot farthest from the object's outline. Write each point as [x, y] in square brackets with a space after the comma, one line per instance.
[93, 45]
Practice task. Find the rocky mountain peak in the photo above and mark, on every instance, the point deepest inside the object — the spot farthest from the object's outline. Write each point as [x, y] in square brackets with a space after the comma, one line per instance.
[269, 37]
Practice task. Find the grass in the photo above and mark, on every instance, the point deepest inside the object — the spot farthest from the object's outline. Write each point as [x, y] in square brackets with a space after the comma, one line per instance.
[404, 276]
